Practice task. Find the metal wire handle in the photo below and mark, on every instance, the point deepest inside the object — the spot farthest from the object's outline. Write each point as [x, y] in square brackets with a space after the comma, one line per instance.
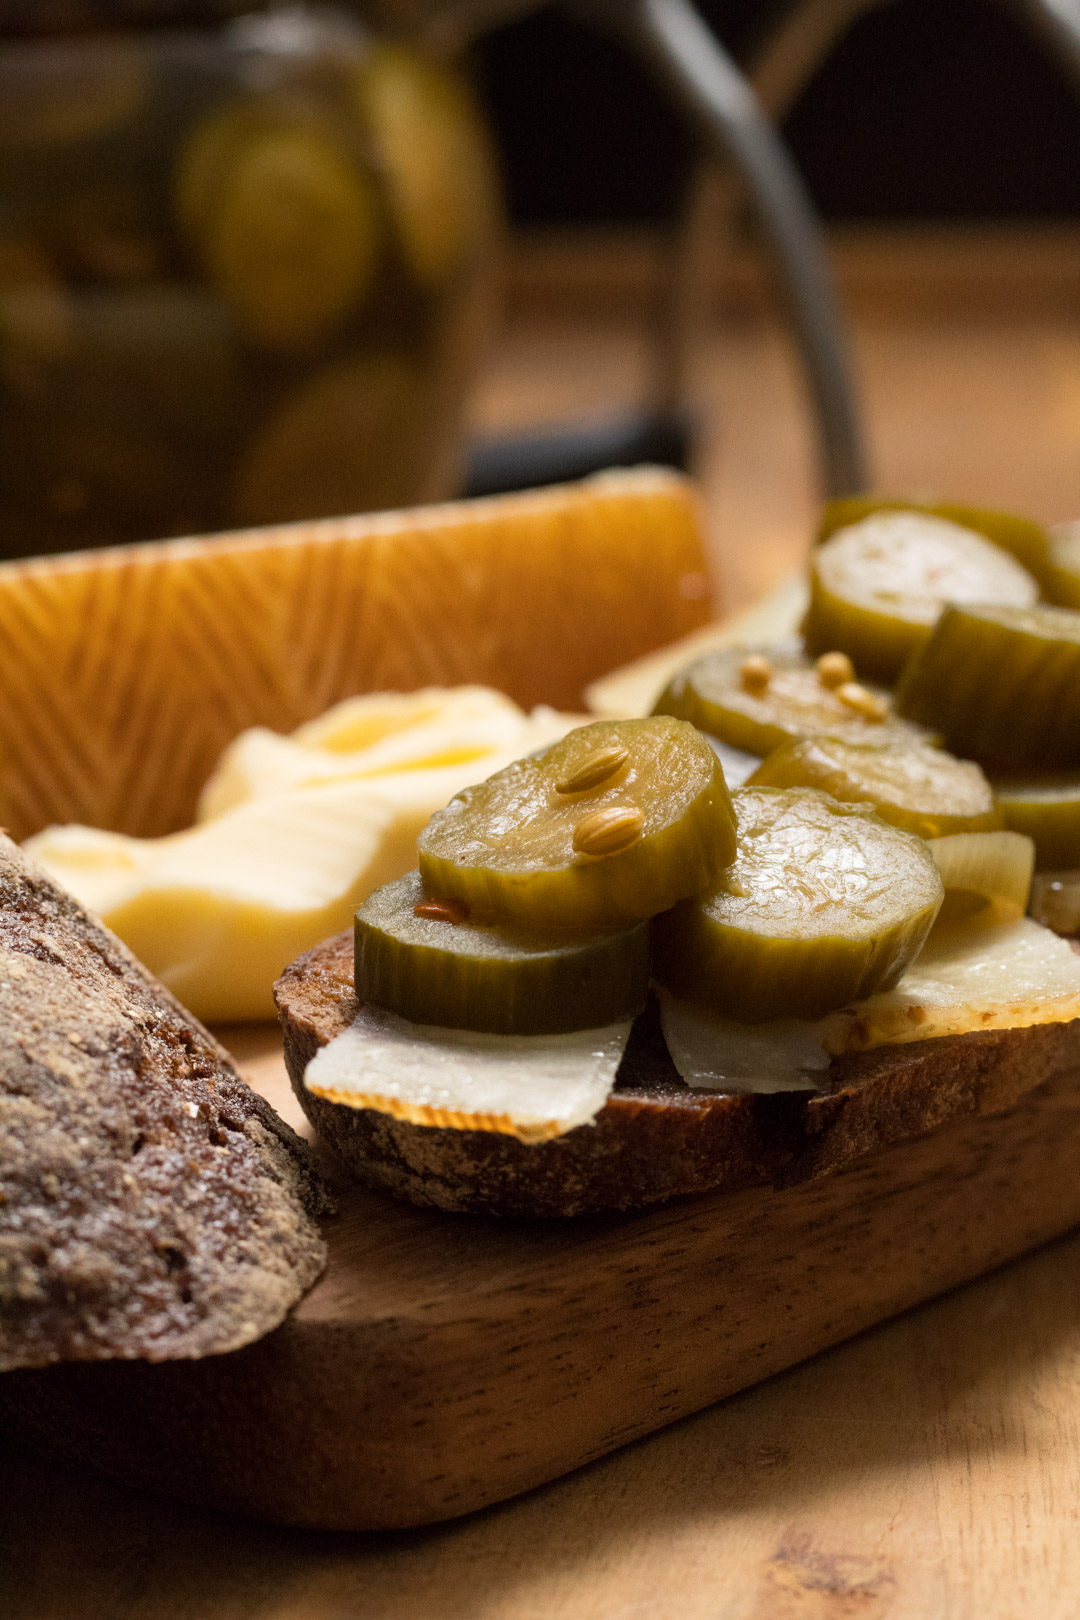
[674, 40]
[677, 45]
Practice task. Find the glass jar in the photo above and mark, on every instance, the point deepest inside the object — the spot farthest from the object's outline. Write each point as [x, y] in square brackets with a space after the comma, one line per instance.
[242, 271]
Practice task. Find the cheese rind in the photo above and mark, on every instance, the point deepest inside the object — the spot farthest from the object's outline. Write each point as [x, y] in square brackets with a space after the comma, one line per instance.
[533, 1087]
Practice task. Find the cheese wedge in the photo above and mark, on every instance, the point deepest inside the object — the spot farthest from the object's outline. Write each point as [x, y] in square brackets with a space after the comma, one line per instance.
[126, 672]
[530, 1086]
[967, 978]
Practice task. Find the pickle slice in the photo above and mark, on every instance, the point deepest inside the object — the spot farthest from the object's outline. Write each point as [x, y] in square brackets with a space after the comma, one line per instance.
[1025, 539]
[1001, 683]
[1064, 583]
[1047, 808]
[824, 904]
[463, 976]
[918, 788]
[722, 693]
[877, 587]
[534, 846]
[1055, 902]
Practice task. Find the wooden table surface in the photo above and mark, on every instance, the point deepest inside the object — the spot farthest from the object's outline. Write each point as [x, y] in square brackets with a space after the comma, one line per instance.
[929, 1468]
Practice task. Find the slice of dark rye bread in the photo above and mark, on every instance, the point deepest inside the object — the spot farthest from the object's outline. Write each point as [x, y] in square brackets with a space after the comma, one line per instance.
[151, 1204]
[655, 1138]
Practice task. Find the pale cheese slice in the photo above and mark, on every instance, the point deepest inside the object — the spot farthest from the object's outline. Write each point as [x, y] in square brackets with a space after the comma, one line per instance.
[965, 979]
[96, 866]
[717, 1054]
[374, 736]
[358, 723]
[533, 1087]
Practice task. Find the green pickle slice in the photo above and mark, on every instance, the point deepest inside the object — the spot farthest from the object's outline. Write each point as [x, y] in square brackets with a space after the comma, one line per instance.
[611, 824]
[918, 788]
[727, 694]
[824, 904]
[1047, 808]
[877, 587]
[463, 976]
[1025, 539]
[1001, 683]
[1064, 584]
[284, 218]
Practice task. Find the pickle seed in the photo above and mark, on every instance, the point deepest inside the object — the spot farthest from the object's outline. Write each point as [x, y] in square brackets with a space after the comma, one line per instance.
[447, 911]
[863, 702]
[598, 768]
[609, 831]
[835, 669]
[755, 673]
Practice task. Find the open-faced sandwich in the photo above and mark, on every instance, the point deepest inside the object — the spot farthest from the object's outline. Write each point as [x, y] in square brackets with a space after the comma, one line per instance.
[776, 924]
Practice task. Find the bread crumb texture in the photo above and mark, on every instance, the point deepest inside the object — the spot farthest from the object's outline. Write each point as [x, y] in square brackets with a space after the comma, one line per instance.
[151, 1204]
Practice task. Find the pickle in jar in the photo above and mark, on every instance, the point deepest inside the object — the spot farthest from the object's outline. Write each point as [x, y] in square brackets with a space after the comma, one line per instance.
[435, 155]
[351, 438]
[284, 218]
[878, 586]
[824, 904]
[427, 961]
[610, 825]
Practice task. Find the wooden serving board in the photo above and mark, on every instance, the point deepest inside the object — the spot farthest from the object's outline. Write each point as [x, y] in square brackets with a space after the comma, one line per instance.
[446, 1362]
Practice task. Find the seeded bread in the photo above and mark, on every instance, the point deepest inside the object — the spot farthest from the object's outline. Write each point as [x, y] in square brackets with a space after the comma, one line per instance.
[151, 1205]
[656, 1139]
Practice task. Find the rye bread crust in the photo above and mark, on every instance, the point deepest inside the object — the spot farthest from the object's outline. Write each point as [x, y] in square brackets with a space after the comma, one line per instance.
[656, 1139]
[151, 1204]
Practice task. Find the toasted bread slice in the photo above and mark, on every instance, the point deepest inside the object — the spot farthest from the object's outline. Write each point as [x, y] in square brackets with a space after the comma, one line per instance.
[151, 1204]
[655, 1138]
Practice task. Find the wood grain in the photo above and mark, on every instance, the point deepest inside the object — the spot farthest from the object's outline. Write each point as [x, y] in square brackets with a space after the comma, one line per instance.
[443, 1363]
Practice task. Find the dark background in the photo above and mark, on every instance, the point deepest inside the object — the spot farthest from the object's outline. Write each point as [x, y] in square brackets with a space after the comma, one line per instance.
[928, 109]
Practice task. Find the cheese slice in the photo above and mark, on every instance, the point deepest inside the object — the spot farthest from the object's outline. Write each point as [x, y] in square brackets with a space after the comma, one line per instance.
[716, 1054]
[378, 736]
[533, 1087]
[967, 978]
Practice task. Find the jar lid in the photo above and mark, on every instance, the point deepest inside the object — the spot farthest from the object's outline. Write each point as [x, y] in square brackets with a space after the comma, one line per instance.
[38, 17]
[27, 17]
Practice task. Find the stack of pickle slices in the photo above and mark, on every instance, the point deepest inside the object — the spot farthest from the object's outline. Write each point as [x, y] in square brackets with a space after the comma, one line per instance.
[908, 761]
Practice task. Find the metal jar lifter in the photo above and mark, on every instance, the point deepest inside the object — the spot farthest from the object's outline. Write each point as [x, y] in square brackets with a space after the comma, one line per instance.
[735, 110]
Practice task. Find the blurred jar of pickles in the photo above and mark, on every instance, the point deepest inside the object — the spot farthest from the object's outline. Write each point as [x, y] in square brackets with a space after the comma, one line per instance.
[244, 268]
